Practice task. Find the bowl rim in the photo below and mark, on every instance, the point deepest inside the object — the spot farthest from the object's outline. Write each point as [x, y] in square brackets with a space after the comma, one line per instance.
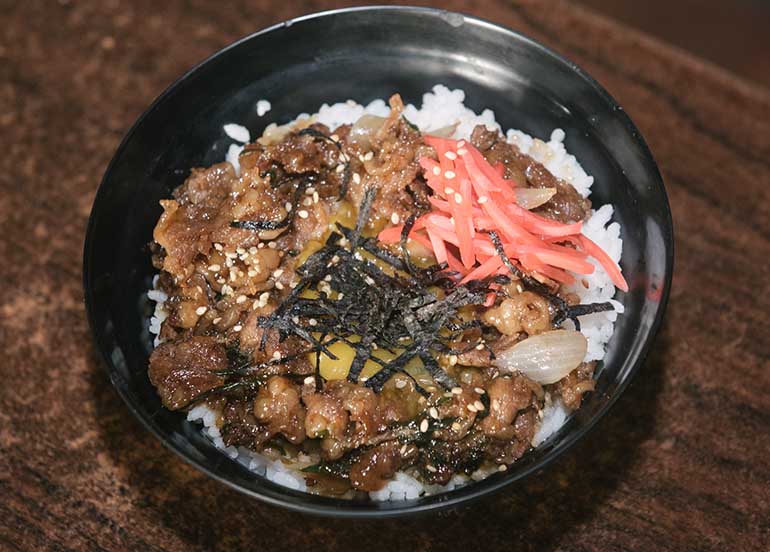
[448, 500]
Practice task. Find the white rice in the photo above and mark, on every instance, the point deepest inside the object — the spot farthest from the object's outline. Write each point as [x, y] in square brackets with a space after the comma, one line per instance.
[441, 108]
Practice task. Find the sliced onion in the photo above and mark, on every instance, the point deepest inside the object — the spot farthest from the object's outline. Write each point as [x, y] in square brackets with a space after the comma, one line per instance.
[530, 198]
[445, 132]
[365, 127]
[546, 357]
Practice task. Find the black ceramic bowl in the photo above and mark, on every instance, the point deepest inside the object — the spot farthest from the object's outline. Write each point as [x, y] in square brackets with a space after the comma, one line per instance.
[365, 54]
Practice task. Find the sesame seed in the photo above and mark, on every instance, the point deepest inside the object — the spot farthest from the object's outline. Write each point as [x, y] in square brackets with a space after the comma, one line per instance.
[335, 259]
[340, 296]
[231, 255]
[252, 273]
[357, 178]
[400, 384]
[214, 268]
[293, 284]
[252, 250]
[295, 319]
[502, 467]
[362, 379]
[334, 138]
[519, 288]
[217, 320]
[403, 450]
[312, 322]
[483, 199]
[450, 155]
[369, 156]
[436, 171]
[462, 151]
[461, 143]
[339, 168]
[272, 245]
[471, 407]
[480, 347]
[458, 198]
[456, 426]
[307, 202]
[227, 290]
[316, 197]
[240, 250]
[277, 355]
[430, 468]
[288, 206]
[302, 214]
[479, 406]
[200, 311]
[309, 190]
[449, 175]
[277, 273]
[369, 281]
[433, 412]
[479, 390]
[457, 390]
[261, 245]
[278, 285]
[309, 380]
[452, 360]
[241, 299]
[237, 328]
[343, 241]
[394, 218]
[424, 425]
[449, 191]
[218, 246]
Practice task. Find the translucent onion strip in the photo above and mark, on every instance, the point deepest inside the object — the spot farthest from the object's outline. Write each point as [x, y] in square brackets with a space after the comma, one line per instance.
[546, 357]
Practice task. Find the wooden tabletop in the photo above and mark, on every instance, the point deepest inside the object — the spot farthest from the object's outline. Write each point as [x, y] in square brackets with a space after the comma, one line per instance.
[681, 463]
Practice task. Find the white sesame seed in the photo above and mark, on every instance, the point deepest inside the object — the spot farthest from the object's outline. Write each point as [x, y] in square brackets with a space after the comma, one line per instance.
[217, 320]
[433, 412]
[456, 426]
[449, 175]
[471, 408]
[357, 178]
[276, 355]
[302, 214]
[362, 379]
[309, 190]
[252, 250]
[452, 360]
[309, 380]
[450, 155]
[436, 171]
[343, 241]
[251, 273]
[261, 245]
[479, 390]
[480, 347]
[214, 268]
[461, 143]
[288, 206]
[430, 468]
[307, 202]
[462, 151]
[272, 245]
[502, 467]
[483, 199]
[237, 328]
[334, 138]
[458, 198]
[295, 319]
[293, 284]
[424, 425]
[457, 390]
[278, 285]
[339, 168]
[277, 272]
[328, 278]
[316, 197]
[479, 406]
[449, 191]
[369, 156]
[241, 299]
[403, 450]
[240, 250]
[312, 322]
[394, 218]
[369, 281]
[230, 255]
[200, 311]
[519, 288]
[340, 296]
[335, 259]
[400, 384]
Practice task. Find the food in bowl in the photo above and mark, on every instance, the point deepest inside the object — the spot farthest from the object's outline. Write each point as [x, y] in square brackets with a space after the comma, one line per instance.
[383, 301]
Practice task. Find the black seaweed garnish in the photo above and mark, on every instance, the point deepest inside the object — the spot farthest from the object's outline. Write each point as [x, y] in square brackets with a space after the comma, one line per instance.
[369, 306]
[318, 135]
[299, 182]
[561, 310]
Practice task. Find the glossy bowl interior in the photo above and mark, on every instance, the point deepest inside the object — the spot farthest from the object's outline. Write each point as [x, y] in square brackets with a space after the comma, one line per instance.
[366, 54]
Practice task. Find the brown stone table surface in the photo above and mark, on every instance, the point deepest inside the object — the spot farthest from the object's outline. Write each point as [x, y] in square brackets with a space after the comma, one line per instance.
[681, 463]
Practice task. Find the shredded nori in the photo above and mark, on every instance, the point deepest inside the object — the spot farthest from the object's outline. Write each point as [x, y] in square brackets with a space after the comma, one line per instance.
[318, 135]
[368, 306]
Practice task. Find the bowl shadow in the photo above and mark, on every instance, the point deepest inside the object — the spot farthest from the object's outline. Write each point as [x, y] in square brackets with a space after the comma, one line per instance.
[536, 513]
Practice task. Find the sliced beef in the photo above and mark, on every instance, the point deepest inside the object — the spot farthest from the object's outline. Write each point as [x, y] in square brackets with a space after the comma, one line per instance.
[376, 466]
[279, 409]
[576, 384]
[184, 370]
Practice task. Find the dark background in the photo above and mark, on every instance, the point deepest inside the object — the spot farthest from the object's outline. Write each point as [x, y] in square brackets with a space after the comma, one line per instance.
[681, 462]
